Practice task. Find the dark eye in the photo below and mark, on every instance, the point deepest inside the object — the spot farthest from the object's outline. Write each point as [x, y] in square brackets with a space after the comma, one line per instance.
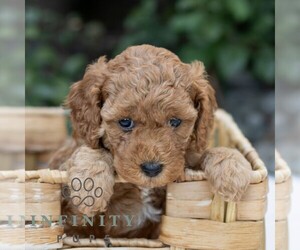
[174, 122]
[126, 124]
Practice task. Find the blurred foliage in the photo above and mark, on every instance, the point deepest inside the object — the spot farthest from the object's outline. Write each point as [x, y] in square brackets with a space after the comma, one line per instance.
[12, 89]
[232, 38]
[56, 53]
[287, 42]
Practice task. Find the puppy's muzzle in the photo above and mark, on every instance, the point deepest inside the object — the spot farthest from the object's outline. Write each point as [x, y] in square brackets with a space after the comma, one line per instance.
[151, 169]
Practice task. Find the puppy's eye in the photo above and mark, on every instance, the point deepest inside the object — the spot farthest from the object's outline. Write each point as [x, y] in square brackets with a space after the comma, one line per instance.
[126, 124]
[174, 122]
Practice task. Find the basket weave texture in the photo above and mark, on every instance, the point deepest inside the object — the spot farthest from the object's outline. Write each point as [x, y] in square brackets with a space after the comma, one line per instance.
[283, 188]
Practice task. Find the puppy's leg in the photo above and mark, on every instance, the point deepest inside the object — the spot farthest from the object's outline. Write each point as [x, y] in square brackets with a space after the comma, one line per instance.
[90, 179]
[227, 170]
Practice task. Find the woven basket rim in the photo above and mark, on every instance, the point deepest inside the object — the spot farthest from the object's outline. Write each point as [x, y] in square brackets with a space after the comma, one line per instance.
[282, 169]
[5, 110]
[60, 177]
[44, 111]
[32, 110]
[116, 242]
[260, 172]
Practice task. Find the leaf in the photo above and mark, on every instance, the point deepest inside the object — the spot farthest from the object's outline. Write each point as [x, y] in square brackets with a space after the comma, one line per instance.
[239, 9]
[264, 66]
[93, 30]
[189, 53]
[183, 5]
[32, 15]
[187, 22]
[231, 60]
[74, 64]
[45, 55]
[32, 32]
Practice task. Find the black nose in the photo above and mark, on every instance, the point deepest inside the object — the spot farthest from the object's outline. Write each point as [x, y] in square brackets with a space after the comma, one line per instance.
[151, 169]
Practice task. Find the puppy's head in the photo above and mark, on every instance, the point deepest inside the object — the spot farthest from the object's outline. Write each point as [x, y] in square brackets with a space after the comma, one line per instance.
[149, 108]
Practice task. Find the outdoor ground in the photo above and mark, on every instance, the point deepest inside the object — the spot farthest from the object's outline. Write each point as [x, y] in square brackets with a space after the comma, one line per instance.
[288, 124]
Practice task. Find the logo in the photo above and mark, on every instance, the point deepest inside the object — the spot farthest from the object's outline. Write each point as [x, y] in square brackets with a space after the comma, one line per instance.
[77, 186]
[92, 238]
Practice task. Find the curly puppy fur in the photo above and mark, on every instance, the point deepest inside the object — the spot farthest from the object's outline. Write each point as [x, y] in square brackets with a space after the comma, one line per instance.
[99, 163]
[149, 85]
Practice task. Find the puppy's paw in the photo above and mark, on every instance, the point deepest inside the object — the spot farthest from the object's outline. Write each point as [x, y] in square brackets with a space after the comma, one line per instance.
[228, 172]
[90, 180]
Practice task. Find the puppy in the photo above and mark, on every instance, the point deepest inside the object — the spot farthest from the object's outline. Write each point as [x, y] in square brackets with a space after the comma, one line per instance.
[147, 116]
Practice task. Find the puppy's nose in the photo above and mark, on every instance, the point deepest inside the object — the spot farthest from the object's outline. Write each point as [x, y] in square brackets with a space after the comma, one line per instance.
[151, 169]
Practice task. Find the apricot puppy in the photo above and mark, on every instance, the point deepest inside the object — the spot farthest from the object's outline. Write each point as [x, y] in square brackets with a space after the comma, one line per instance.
[152, 113]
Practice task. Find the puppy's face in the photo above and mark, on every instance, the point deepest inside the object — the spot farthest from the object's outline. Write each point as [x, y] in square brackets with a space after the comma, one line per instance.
[151, 106]
[148, 132]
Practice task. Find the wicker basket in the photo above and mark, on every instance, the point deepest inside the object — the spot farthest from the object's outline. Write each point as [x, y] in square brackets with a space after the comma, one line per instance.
[12, 138]
[45, 129]
[12, 129]
[193, 220]
[39, 193]
[45, 132]
[20, 197]
[199, 220]
[283, 189]
[40, 130]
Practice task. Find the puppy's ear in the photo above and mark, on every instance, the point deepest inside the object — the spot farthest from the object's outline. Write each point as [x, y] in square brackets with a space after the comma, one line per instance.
[204, 99]
[85, 101]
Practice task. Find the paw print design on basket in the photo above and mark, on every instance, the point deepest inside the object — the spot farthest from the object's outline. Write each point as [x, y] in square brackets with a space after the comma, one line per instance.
[77, 185]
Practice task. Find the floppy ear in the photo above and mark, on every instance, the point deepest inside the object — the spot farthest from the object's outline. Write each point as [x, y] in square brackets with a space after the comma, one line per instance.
[205, 103]
[85, 101]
